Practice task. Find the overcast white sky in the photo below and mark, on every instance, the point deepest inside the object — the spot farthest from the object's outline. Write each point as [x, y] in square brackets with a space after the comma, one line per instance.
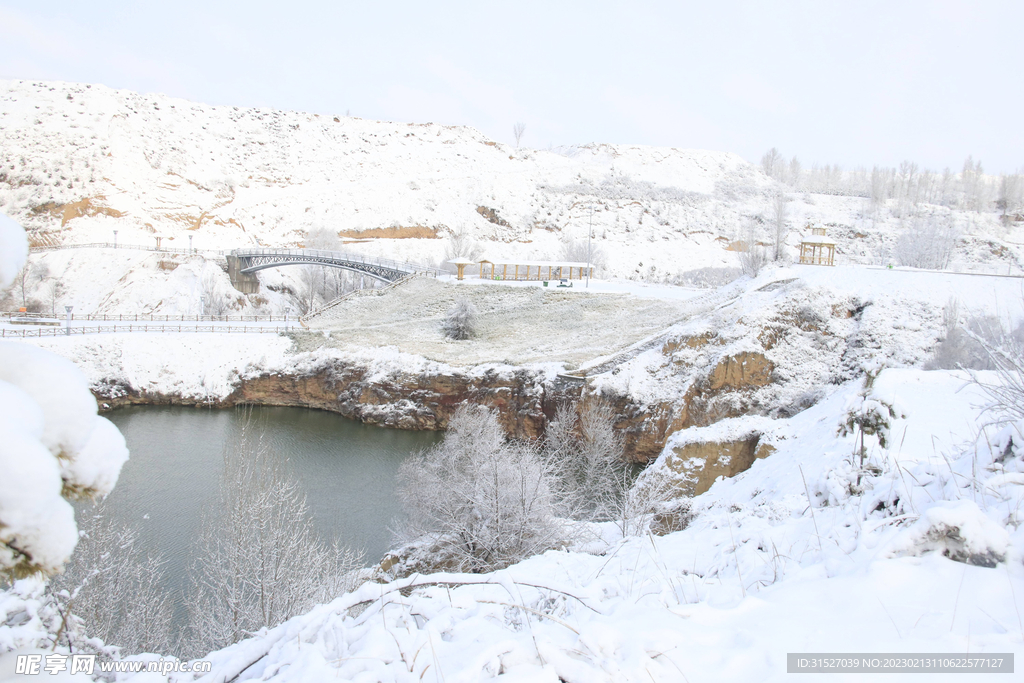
[853, 83]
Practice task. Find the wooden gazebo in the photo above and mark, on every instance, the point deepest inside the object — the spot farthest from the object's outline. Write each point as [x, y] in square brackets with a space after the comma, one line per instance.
[460, 264]
[817, 249]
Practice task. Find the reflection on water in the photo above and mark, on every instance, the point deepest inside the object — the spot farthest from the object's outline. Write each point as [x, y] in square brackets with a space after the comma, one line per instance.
[346, 469]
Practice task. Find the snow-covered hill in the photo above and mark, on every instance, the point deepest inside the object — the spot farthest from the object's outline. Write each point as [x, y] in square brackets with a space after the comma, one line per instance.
[78, 162]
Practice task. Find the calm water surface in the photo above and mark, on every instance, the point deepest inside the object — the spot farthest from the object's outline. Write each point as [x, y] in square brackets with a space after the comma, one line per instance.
[346, 469]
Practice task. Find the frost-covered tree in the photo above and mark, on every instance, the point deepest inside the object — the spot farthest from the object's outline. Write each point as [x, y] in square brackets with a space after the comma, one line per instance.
[773, 164]
[55, 448]
[485, 503]
[517, 131]
[461, 320]
[260, 561]
[116, 589]
[324, 239]
[779, 224]
[579, 251]
[753, 257]
[586, 454]
[927, 243]
[460, 244]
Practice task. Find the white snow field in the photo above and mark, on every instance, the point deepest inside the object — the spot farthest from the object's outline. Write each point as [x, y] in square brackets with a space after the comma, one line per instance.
[759, 572]
[918, 552]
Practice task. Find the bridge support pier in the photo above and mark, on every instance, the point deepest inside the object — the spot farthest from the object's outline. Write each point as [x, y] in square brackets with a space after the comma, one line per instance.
[246, 283]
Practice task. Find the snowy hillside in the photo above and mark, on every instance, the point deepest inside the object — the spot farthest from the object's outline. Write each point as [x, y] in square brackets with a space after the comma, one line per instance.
[78, 162]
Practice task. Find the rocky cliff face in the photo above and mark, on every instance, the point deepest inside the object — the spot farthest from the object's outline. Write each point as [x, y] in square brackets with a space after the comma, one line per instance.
[525, 399]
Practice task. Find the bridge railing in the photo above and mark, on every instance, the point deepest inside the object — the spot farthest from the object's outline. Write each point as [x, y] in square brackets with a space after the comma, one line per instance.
[405, 266]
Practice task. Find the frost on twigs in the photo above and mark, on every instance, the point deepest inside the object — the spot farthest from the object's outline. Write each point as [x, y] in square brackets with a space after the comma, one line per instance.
[869, 414]
[460, 321]
[54, 448]
[485, 502]
[115, 589]
[260, 559]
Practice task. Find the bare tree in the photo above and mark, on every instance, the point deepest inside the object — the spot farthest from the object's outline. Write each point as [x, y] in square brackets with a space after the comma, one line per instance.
[461, 320]
[772, 163]
[780, 229]
[214, 301]
[260, 561]
[313, 283]
[578, 251]
[586, 454]
[927, 243]
[460, 244]
[485, 503]
[753, 257]
[794, 172]
[116, 588]
[517, 131]
[322, 238]
[55, 291]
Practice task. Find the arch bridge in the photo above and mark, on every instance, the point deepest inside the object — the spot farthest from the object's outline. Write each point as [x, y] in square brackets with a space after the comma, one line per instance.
[243, 264]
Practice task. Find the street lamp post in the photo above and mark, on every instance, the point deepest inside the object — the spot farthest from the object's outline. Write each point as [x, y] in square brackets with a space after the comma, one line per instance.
[67, 326]
[190, 244]
[115, 239]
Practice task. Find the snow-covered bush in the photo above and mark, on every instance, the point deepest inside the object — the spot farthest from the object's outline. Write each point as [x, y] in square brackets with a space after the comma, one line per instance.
[115, 589]
[260, 560]
[55, 446]
[485, 503]
[928, 244]
[586, 455]
[707, 278]
[754, 257]
[869, 414]
[460, 321]
[579, 251]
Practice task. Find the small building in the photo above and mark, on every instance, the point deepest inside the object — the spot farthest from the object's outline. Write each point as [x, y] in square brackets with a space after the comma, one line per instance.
[535, 270]
[817, 249]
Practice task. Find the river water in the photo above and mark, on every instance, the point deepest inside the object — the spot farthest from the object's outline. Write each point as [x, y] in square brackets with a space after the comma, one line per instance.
[346, 469]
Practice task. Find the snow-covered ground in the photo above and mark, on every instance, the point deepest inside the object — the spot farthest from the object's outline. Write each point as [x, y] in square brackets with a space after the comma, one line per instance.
[803, 552]
[790, 556]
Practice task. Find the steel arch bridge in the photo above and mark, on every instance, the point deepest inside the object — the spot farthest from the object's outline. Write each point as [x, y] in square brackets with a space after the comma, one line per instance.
[242, 263]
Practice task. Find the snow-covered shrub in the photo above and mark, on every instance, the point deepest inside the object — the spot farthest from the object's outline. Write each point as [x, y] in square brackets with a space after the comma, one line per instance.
[754, 257]
[707, 278]
[115, 589]
[583, 251]
[928, 244]
[54, 447]
[869, 414]
[958, 530]
[485, 503]
[260, 560]
[460, 321]
[968, 348]
[586, 455]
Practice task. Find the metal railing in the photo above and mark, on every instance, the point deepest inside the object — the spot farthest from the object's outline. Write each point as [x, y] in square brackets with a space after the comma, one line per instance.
[138, 317]
[378, 291]
[320, 254]
[65, 331]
